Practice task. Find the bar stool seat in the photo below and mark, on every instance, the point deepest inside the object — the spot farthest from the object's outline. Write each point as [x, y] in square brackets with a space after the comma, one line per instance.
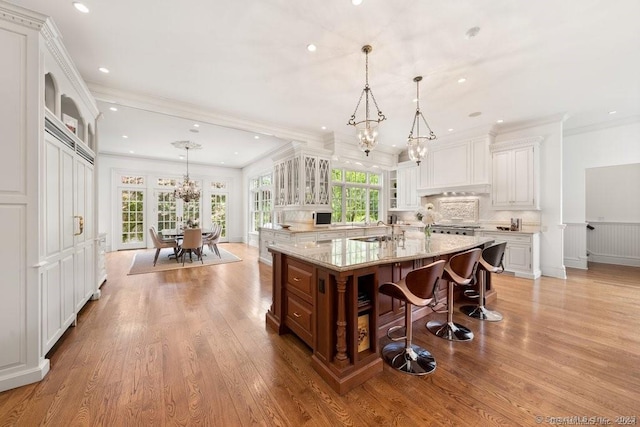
[417, 288]
[459, 271]
[491, 261]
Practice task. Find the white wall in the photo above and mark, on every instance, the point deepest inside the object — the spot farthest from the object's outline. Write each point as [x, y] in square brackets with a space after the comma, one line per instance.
[613, 193]
[551, 225]
[107, 205]
[618, 145]
[591, 148]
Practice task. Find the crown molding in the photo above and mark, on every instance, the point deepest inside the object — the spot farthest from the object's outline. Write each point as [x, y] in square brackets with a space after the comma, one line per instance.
[518, 142]
[602, 125]
[21, 16]
[516, 126]
[197, 113]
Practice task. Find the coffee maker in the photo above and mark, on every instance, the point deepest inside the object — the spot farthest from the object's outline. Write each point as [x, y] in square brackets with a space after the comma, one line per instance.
[516, 224]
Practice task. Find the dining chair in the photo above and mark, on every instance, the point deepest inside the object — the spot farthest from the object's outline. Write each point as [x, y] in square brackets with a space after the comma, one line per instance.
[160, 244]
[192, 243]
[212, 239]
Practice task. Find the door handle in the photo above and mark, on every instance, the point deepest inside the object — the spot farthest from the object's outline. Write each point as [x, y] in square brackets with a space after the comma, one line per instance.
[80, 223]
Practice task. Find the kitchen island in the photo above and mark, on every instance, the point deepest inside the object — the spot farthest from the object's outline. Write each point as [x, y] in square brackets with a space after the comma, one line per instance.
[326, 292]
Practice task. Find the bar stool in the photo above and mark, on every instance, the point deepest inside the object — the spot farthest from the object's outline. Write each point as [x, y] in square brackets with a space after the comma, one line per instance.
[415, 289]
[490, 261]
[458, 271]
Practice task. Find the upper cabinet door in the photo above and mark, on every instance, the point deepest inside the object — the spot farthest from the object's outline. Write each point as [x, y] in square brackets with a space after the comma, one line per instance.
[515, 175]
[408, 177]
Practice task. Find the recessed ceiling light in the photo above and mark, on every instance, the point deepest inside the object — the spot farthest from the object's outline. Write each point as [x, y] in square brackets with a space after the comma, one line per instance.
[462, 80]
[356, 2]
[612, 112]
[103, 70]
[256, 136]
[113, 109]
[472, 32]
[475, 114]
[450, 129]
[323, 127]
[80, 7]
[181, 157]
[131, 151]
[499, 121]
[311, 47]
[195, 125]
[415, 99]
[125, 136]
[393, 145]
[222, 163]
[235, 152]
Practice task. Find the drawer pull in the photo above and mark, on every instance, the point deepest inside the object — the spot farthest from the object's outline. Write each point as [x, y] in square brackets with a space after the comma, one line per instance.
[296, 315]
[295, 279]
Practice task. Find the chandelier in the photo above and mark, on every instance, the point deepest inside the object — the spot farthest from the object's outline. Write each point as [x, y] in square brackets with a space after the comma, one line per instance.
[417, 145]
[367, 128]
[188, 190]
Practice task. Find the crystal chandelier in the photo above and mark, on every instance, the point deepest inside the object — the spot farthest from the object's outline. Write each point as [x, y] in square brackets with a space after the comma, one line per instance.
[417, 145]
[367, 128]
[188, 190]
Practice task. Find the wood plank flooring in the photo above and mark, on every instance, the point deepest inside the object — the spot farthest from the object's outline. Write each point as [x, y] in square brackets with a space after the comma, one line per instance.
[190, 347]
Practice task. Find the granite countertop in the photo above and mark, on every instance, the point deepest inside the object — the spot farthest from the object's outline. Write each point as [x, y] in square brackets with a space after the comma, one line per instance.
[310, 228]
[347, 254]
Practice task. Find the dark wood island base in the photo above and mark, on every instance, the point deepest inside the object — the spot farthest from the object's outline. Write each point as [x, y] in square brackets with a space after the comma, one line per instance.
[337, 310]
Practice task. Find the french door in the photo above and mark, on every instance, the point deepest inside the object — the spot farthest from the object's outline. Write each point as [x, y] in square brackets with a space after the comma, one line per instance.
[132, 224]
[219, 213]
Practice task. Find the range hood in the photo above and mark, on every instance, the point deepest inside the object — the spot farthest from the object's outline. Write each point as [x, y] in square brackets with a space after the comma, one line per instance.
[471, 188]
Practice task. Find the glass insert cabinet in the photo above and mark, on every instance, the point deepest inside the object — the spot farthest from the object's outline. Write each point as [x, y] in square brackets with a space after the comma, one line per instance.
[302, 178]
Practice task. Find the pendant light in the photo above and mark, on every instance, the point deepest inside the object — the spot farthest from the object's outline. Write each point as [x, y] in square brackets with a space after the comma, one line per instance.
[417, 143]
[367, 128]
[188, 190]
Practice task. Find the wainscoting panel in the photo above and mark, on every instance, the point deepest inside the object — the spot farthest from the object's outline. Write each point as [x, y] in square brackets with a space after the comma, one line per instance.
[614, 243]
[575, 245]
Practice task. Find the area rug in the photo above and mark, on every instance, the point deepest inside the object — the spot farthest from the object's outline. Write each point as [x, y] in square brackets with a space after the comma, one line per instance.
[143, 261]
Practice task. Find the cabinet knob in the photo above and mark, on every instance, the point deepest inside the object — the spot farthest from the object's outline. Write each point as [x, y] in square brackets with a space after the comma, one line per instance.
[295, 279]
[296, 315]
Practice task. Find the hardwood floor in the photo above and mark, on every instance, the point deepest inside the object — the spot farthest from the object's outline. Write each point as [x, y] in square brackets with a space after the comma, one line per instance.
[190, 347]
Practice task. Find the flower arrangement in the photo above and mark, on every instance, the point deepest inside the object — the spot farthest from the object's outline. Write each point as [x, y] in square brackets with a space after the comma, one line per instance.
[428, 215]
[193, 223]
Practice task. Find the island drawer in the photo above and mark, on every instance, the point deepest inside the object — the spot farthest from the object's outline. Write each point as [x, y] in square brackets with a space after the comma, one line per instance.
[299, 318]
[300, 278]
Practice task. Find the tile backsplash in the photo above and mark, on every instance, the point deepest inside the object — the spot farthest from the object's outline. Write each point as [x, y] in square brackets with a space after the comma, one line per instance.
[486, 215]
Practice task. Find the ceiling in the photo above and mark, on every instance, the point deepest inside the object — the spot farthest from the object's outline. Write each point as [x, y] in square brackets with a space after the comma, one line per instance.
[247, 61]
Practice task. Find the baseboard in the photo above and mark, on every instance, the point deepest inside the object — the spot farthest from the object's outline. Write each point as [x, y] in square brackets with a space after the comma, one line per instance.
[580, 263]
[607, 259]
[557, 272]
[20, 378]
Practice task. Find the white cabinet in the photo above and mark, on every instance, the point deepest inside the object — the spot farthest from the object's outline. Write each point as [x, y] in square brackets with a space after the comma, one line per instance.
[46, 191]
[302, 179]
[455, 166]
[522, 254]
[515, 178]
[408, 177]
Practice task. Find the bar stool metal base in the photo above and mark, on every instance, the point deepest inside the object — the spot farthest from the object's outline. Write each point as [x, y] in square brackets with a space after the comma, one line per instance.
[481, 312]
[415, 361]
[450, 331]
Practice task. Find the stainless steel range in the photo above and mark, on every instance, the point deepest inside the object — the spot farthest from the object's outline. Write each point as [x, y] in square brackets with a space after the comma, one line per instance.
[459, 229]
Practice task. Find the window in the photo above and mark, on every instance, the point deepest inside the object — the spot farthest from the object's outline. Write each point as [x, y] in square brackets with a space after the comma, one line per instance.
[132, 216]
[355, 196]
[261, 201]
[167, 214]
[219, 212]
